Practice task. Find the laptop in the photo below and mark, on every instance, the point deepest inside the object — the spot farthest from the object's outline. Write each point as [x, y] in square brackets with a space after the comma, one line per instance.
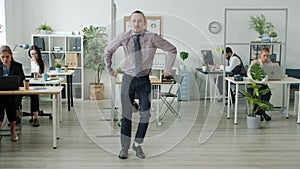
[9, 83]
[274, 72]
[207, 57]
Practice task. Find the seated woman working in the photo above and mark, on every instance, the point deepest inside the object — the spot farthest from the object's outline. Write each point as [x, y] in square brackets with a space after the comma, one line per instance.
[37, 66]
[10, 102]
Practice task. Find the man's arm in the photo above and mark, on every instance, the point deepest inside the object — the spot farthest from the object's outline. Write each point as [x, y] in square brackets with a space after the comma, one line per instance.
[171, 50]
[234, 62]
[109, 51]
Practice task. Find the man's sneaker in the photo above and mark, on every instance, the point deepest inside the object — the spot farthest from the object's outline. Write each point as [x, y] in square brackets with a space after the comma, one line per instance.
[35, 123]
[123, 154]
[139, 151]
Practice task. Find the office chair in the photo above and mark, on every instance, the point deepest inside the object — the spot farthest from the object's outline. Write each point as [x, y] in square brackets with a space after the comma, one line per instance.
[293, 73]
[41, 112]
[164, 96]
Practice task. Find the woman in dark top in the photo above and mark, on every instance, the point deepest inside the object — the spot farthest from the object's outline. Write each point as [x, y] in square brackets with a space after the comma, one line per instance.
[10, 102]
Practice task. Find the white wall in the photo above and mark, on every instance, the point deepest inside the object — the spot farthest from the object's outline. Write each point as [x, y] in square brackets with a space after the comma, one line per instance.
[2, 22]
[184, 22]
[24, 16]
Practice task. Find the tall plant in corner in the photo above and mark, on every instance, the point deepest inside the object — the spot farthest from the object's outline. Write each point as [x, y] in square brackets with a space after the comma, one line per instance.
[94, 43]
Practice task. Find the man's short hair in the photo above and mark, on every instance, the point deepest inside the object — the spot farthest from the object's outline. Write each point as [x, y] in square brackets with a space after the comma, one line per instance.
[264, 49]
[139, 12]
[228, 50]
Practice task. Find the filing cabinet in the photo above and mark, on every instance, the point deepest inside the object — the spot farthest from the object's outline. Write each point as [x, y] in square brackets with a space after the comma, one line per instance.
[185, 88]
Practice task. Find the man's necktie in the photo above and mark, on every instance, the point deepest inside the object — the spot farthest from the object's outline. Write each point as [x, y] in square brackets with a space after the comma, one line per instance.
[137, 47]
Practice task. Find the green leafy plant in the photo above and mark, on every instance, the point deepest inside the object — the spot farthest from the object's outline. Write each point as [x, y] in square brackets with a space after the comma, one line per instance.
[119, 70]
[94, 43]
[257, 72]
[254, 98]
[260, 25]
[184, 55]
[273, 34]
[44, 27]
[57, 64]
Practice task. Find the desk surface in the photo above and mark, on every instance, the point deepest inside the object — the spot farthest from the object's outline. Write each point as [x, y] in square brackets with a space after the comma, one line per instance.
[34, 90]
[40, 81]
[211, 72]
[63, 73]
[285, 80]
[153, 81]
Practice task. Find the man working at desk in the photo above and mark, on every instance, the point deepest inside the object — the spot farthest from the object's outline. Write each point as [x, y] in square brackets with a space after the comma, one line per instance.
[139, 47]
[234, 66]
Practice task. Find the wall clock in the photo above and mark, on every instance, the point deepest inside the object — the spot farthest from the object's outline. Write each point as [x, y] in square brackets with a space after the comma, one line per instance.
[214, 27]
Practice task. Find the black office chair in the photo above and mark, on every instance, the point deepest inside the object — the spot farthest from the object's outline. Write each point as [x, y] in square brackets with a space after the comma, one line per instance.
[41, 112]
[296, 74]
[168, 97]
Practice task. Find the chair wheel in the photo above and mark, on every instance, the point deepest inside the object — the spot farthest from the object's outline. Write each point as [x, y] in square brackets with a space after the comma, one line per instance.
[159, 123]
[50, 117]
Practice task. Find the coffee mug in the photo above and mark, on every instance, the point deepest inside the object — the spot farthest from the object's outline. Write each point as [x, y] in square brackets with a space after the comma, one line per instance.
[26, 84]
[45, 76]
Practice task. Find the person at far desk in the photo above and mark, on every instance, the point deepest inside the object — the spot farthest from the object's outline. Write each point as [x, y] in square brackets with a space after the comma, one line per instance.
[37, 66]
[9, 102]
[262, 61]
[139, 47]
[233, 66]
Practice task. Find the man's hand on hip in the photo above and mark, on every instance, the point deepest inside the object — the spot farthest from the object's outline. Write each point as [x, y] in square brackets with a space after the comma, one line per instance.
[113, 73]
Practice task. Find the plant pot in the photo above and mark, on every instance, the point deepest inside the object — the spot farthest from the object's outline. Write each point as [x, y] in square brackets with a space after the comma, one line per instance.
[265, 38]
[58, 69]
[120, 77]
[253, 122]
[96, 91]
[272, 39]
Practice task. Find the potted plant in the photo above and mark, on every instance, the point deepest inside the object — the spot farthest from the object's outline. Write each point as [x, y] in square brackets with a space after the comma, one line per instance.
[273, 35]
[57, 66]
[253, 120]
[45, 28]
[183, 55]
[261, 26]
[120, 73]
[94, 43]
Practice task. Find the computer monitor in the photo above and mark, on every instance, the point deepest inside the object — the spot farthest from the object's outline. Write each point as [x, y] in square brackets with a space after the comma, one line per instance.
[207, 57]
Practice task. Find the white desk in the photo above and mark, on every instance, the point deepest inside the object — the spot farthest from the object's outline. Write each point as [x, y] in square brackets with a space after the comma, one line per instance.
[55, 91]
[40, 81]
[69, 85]
[55, 82]
[207, 74]
[285, 81]
[154, 82]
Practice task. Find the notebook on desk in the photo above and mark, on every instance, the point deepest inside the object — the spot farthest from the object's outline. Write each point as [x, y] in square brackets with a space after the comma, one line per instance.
[274, 72]
[9, 83]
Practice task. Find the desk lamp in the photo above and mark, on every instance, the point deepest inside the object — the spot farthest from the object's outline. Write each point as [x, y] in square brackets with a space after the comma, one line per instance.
[24, 46]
